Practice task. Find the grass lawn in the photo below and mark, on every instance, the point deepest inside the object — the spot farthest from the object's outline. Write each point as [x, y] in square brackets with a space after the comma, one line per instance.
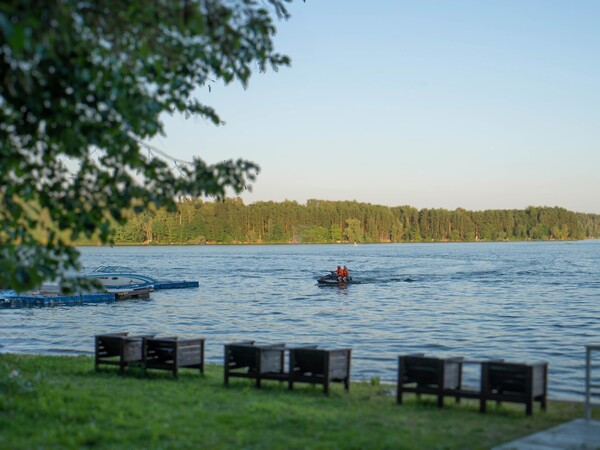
[61, 402]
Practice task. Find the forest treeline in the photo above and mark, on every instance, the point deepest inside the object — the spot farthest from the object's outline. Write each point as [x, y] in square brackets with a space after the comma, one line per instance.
[321, 221]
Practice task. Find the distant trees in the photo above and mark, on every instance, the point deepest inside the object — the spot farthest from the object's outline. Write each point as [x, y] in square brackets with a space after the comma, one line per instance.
[590, 224]
[321, 221]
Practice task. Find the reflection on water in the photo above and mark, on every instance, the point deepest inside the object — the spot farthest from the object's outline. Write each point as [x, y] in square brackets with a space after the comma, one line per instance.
[518, 301]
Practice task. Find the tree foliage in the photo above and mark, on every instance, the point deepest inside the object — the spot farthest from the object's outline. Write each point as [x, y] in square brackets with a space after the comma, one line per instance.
[320, 221]
[83, 84]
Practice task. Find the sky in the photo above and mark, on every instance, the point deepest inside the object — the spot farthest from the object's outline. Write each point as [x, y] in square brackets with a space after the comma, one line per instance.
[433, 104]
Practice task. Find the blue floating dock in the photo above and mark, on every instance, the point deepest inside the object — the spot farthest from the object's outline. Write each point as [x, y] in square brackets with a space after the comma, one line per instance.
[175, 285]
[14, 300]
[27, 301]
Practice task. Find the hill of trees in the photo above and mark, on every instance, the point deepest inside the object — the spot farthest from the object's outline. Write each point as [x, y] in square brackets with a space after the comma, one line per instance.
[321, 221]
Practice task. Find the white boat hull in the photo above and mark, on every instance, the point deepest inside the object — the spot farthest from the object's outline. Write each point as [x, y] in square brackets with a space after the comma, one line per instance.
[118, 277]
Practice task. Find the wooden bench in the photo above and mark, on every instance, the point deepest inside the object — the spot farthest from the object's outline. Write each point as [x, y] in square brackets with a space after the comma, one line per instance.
[172, 353]
[427, 375]
[119, 349]
[500, 380]
[259, 362]
[514, 382]
[319, 366]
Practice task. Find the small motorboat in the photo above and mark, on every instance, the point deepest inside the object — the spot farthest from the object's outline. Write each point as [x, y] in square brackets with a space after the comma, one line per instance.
[120, 277]
[331, 279]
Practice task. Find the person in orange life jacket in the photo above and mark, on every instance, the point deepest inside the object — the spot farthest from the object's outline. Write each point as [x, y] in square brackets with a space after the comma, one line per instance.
[339, 273]
[345, 274]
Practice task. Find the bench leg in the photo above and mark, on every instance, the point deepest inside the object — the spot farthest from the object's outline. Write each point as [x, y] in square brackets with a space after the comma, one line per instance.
[482, 405]
[202, 356]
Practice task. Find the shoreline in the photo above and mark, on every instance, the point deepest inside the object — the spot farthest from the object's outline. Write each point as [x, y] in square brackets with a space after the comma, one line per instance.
[126, 244]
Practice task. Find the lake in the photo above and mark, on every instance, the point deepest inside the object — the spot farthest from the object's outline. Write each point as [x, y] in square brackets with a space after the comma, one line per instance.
[519, 301]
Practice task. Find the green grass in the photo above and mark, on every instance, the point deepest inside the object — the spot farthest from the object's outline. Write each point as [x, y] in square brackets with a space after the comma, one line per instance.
[61, 402]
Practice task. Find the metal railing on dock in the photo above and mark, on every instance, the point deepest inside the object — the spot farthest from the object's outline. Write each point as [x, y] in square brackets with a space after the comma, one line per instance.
[589, 387]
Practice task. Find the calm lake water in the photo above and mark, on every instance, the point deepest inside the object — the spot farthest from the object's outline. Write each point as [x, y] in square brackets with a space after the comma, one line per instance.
[517, 301]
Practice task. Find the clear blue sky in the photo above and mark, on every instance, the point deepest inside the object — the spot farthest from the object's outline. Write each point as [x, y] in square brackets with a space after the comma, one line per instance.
[433, 104]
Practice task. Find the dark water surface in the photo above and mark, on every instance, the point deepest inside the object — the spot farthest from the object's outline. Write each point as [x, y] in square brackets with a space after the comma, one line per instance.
[518, 301]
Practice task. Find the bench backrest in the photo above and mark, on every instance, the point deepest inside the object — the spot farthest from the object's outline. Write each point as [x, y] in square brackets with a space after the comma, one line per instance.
[429, 371]
[334, 363]
[515, 377]
[110, 344]
[309, 360]
[423, 370]
[241, 355]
